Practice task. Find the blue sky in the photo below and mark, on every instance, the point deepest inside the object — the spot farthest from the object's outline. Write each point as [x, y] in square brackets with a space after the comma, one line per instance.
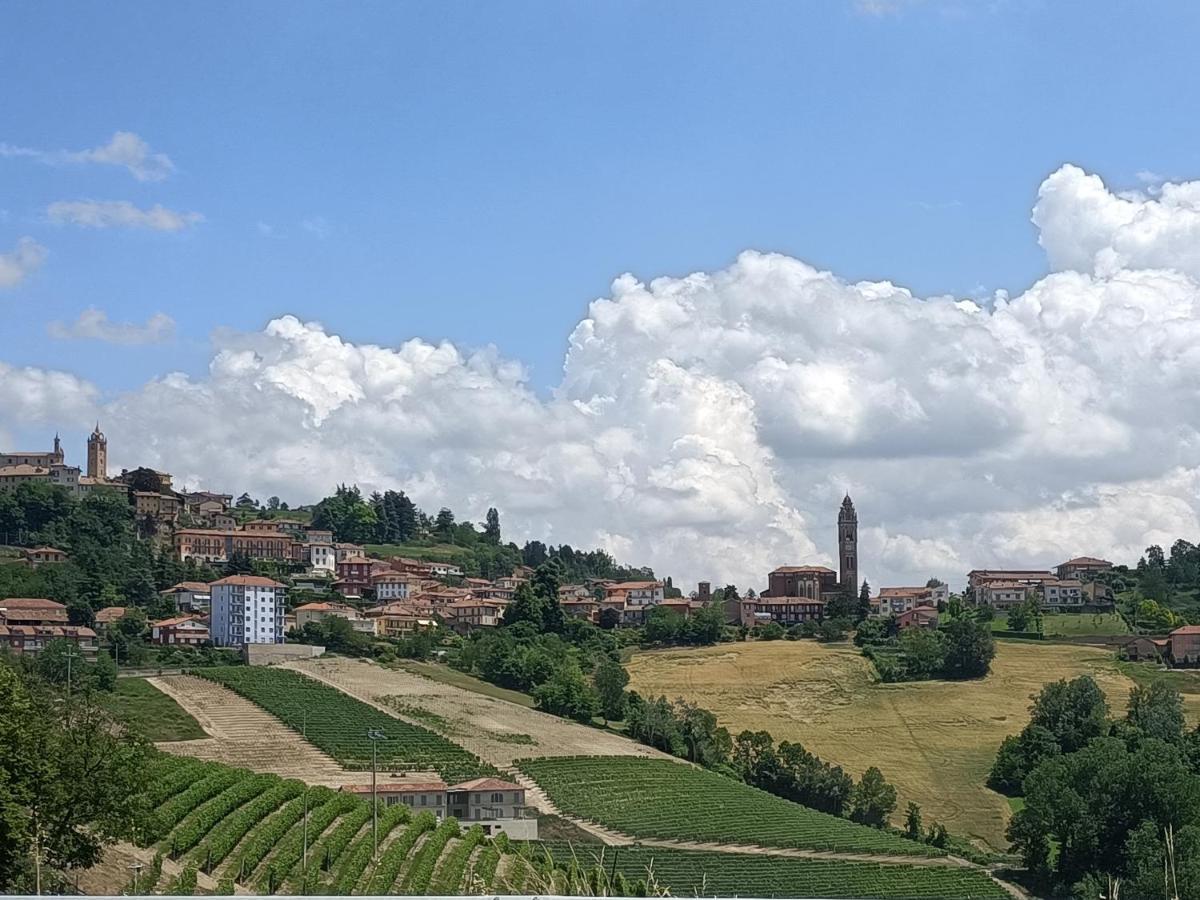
[481, 171]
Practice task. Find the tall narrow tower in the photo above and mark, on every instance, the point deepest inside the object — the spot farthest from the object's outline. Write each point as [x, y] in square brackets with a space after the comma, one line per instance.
[98, 455]
[57, 454]
[848, 546]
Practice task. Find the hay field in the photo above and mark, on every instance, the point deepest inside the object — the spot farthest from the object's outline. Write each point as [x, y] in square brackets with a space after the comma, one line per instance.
[933, 740]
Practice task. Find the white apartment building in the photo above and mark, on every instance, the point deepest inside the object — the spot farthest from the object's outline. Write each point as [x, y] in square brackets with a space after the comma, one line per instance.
[246, 609]
[322, 557]
[1066, 594]
[638, 593]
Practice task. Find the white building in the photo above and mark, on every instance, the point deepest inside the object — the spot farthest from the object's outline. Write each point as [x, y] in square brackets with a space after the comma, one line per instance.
[1066, 594]
[392, 586]
[638, 593]
[246, 609]
[322, 557]
[442, 570]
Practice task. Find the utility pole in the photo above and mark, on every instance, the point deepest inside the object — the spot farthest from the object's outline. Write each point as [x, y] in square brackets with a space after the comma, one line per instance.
[137, 875]
[375, 736]
[304, 866]
[37, 856]
[71, 655]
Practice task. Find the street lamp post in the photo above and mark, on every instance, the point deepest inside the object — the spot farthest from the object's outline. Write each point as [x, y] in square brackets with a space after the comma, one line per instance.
[71, 655]
[375, 736]
[137, 875]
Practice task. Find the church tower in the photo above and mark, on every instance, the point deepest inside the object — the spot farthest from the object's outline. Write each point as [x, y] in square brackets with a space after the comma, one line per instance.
[97, 455]
[848, 546]
[57, 454]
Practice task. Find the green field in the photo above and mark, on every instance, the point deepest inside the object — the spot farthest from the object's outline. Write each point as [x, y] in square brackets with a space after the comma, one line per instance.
[150, 712]
[447, 553]
[657, 798]
[455, 678]
[338, 723]
[700, 874]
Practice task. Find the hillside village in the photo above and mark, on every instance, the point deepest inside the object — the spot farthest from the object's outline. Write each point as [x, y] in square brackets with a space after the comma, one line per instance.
[250, 619]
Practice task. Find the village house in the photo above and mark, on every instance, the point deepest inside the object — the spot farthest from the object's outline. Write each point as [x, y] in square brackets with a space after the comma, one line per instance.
[315, 613]
[893, 601]
[918, 617]
[1144, 649]
[31, 639]
[322, 557]
[353, 576]
[1002, 594]
[32, 611]
[445, 570]
[493, 804]
[399, 620]
[346, 551]
[186, 631]
[468, 615]
[189, 596]
[1062, 595]
[637, 593]
[110, 615]
[1183, 646]
[42, 555]
[979, 579]
[1082, 568]
[581, 608]
[786, 611]
[392, 585]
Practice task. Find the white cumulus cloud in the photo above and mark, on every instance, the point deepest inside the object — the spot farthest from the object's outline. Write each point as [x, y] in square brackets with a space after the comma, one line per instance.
[124, 149]
[94, 325]
[18, 264]
[119, 214]
[708, 425]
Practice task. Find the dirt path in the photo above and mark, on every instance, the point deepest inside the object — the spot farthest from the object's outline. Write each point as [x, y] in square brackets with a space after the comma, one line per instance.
[243, 734]
[112, 875]
[493, 729]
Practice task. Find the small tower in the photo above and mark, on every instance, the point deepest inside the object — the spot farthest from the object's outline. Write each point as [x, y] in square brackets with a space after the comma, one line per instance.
[97, 455]
[848, 546]
[58, 450]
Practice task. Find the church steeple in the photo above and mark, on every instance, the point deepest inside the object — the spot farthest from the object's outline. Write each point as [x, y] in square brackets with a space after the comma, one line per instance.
[97, 453]
[848, 546]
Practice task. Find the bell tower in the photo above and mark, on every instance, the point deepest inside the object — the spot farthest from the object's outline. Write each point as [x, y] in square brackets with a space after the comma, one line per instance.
[97, 466]
[848, 546]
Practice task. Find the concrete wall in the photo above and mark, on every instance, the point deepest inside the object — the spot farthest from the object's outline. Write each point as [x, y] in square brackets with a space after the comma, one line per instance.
[270, 654]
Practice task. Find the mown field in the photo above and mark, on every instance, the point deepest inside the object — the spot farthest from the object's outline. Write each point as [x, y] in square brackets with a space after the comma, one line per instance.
[150, 712]
[692, 873]
[339, 724]
[657, 798]
[934, 740]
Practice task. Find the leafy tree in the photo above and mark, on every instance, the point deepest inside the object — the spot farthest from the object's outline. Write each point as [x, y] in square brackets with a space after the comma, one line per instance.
[873, 800]
[608, 619]
[772, 631]
[443, 524]
[1018, 617]
[611, 679]
[662, 625]
[924, 655]
[273, 503]
[1156, 710]
[969, 648]
[843, 605]
[567, 693]
[491, 528]
[912, 823]
[831, 630]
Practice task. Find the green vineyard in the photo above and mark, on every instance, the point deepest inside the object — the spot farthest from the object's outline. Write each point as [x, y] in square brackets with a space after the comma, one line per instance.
[338, 723]
[700, 874]
[661, 799]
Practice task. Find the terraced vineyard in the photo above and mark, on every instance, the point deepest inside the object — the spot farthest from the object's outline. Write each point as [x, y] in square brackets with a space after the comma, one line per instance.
[656, 798]
[338, 723]
[238, 827]
[691, 873]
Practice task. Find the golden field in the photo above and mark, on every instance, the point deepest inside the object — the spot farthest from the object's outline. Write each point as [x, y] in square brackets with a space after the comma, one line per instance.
[933, 740]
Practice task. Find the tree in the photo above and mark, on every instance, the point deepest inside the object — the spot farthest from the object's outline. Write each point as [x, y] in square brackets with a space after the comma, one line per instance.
[491, 528]
[1018, 617]
[273, 503]
[662, 625]
[843, 605]
[924, 655]
[912, 823]
[567, 693]
[1156, 710]
[443, 524]
[608, 619]
[245, 501]
[864, 602]
[969, 648]
[610, 679]
[873, 800]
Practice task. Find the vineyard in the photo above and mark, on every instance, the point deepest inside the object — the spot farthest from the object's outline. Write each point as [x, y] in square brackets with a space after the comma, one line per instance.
[698, 874]
[660, 799]
[338, 723]
[230, 829]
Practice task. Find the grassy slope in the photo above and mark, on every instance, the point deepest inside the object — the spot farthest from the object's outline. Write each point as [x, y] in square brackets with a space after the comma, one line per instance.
[1074, 624]
[455, 678]
[450, 553]
[151, 712]
[934, 740]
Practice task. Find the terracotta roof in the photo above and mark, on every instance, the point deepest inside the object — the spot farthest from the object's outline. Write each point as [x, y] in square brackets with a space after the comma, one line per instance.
[1186, 629]
[398, 787]
[177, 620]
[248, 581]
[486, 784]
[1007, 585]
[788, 570]
[108, 614]
[637, 585]
[1086, 561]
[23, 469]
[31, 603]
[46, 550]
[195, 587]
[904, 591]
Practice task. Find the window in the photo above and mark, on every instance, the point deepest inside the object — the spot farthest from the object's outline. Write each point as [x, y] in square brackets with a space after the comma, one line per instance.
[497, 798]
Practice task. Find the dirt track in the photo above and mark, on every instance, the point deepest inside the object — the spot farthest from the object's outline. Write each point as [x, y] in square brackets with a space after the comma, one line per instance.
[243, 734]
[495, 730]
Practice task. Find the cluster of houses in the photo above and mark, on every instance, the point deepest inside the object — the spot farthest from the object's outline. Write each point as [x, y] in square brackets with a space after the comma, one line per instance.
[1072, 586]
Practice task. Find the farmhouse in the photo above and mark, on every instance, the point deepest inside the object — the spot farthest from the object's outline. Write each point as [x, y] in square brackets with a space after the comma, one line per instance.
[1183, 645]
[493, 804]
[1082, 568]
[187, 631]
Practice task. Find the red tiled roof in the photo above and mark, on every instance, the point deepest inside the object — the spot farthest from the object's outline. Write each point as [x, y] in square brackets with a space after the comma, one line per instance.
[177, 620]
[1186, 629]
[816, 570]
[248, 581]
[31, 603]
[1086, 561]
[194, 587]
[398, 787]
[486, 784]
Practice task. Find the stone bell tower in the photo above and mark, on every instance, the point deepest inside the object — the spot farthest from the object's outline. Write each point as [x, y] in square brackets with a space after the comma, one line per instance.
[848, 547]
[97, 466]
